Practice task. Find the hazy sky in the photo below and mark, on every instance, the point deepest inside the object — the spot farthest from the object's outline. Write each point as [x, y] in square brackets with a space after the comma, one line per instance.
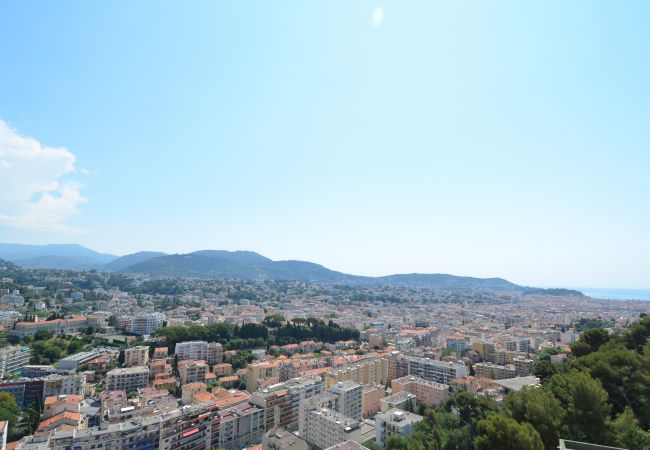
[477, 138]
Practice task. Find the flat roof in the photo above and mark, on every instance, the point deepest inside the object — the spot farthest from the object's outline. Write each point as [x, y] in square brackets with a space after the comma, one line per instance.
[517, 383]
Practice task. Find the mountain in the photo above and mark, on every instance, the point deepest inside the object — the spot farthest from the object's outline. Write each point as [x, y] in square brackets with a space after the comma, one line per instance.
[239, 264]
[253, 266]
[54, 256]
[59, 262]
[448, 282]
[125, 261]
[243, 265]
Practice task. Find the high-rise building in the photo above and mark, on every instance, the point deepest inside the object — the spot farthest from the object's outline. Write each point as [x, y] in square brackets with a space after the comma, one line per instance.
[127, 379]
[349, 398]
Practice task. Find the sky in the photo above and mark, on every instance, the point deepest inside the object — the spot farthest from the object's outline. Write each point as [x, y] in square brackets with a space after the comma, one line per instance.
[487, 138]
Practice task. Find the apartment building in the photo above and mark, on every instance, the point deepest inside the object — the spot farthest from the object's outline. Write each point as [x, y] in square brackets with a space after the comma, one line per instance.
[281, 439]
[367, 371]
[401, 400]
[238, 426]
[523, 367]
[127, 379]
[190, 389]
[371, 395]
[428, 393]
[146, 324]
[136, 356]
[349, 398]
[281, 411]
[277, 407]
[326, 428]
[260, 370]
[458, 344]
[494, 371]
[215, 353]
[394, 421]
[192, 371]
[57, 385]
[430, 369]
[192, 350]
[12, 359]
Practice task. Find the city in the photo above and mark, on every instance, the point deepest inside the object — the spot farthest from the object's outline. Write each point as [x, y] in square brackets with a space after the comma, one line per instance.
[324, 225]
[110, 360]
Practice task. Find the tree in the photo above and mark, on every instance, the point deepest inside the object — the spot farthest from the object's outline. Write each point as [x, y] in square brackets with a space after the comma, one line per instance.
[624, 375]
[638, 334]
[544, 370]
[627, 431]
[9, 411]
[471, 408]
[585, 402]
[590, 341]
[541, 409]
[498, 432]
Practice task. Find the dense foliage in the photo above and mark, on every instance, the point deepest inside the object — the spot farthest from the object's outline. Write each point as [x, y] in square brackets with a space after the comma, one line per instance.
[601, 396]
[249, 336]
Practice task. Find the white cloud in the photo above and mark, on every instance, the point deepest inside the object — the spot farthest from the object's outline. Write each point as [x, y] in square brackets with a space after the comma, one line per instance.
[377, 16]
[33, 193]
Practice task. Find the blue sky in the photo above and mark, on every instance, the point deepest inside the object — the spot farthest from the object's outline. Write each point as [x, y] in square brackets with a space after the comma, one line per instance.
[477, 138]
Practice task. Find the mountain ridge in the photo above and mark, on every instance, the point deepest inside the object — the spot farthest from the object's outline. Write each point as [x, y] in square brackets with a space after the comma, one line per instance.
[246, 265]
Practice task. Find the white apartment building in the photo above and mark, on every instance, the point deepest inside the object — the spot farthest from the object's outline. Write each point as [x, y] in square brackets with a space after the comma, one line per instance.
[431, 369]
[394, 421]
[127, 379]
[349, 396]
[12, 359]
[146, 324]
[136, 356]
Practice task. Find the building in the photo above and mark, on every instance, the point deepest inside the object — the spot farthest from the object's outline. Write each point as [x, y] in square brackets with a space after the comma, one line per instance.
[26, 392]
[277, 407]
[141, 433]
[348, 445]
[136, 356]
[430, 369]
[74, 362]
[458, 344]
[428, 393]
[401, 400]
[127, 379]
[371, 396]
[215, 353]
[281, 439]
[12, 359]
[61, 403]
[349, 398]
[566, 444]
[394, 421]
[260, 370]
[56, 326]
[222, 369]
[282, 401]
[494, 371]
[194, 350]
[326, 428]
[367, 371]
[523, 367]
[146, 324]
[190, 389]
[69, 384]
[192, 371]
[238, 426]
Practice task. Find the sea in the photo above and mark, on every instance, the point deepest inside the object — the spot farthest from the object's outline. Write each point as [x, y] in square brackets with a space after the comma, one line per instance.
[616, 294]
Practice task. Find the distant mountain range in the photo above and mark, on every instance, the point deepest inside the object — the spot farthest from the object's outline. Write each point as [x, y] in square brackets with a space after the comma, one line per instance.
[243, 265]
